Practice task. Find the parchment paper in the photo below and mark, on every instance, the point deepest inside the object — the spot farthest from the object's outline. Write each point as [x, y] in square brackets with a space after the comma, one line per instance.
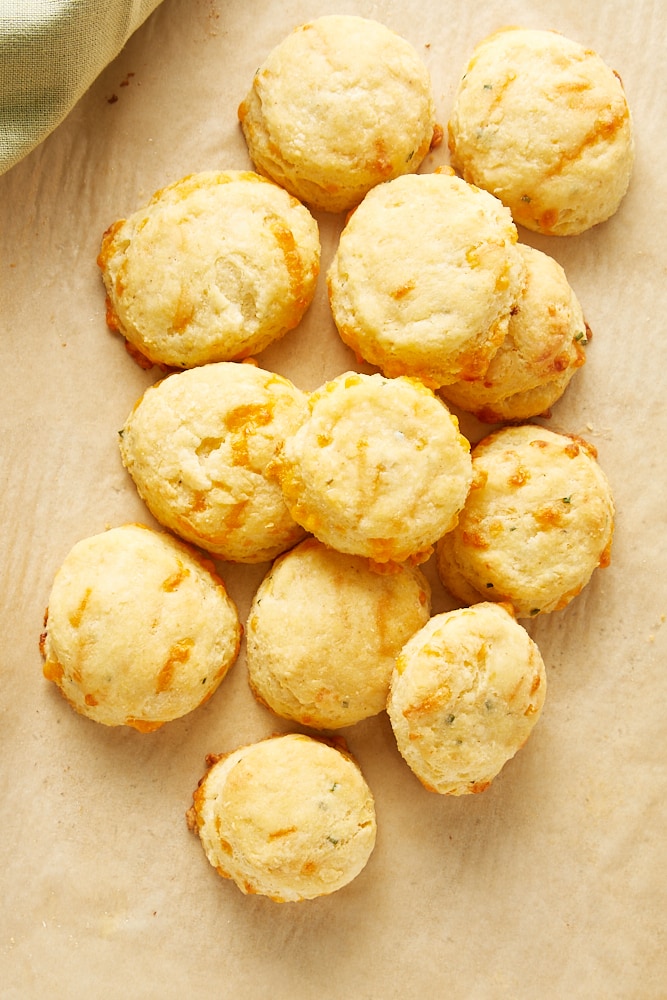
[551, 884]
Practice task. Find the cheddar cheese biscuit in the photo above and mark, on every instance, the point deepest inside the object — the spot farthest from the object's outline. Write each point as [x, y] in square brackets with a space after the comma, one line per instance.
[424, 278]
[341, 104]
[378, 468]
[289, 817]
[139, 628]
[465, 695]
[198, 445]
[543, 123]
[537, 522]
[216, 267]
[323, 633]
[542, 350]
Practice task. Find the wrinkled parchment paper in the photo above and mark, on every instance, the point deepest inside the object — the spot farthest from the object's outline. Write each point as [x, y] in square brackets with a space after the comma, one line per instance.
[549, 885]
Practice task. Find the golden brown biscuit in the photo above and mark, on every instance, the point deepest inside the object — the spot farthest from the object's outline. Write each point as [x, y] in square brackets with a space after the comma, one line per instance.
[424, 278]
[216, 267]
[466, 693]
[323, 633]
[290, 817]
[378, 469]
[537, 522]
[341, 104]
[541, 352]
[139, 628]
[543, 123]
[197, 446]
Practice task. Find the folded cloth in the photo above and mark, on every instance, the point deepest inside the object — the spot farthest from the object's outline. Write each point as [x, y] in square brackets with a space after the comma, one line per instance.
[50, 53]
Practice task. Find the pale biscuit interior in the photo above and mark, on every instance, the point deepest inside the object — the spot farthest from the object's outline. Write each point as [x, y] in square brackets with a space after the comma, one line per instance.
[197, 446]
[216, 267]
[323, 633]
[290, 817]
[543, 123]
[465, 695]
[139, 628]
[340, 105]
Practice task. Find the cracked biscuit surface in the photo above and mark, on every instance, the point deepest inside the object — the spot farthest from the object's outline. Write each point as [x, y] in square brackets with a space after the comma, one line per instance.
[340, 105]
[216, 267]
[537, 522]
[198, 445]
[139, 628]
[290, 817]
[465, 695]
[379, 468]
[323, 633]
[424, 278]
[543, 123]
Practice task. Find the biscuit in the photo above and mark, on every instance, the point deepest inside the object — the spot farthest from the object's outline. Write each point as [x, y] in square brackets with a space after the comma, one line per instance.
[290, 817]
[197, 446]
[139, 628]
[465, 695]
[324, 630]
[378, 468]
[537, 522]
[216, 267]
[541, 352]
[341, 104]
[543, 123]
[424, 278]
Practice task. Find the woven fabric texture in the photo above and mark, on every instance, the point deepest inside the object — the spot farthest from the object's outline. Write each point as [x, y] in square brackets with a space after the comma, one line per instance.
[50, 53]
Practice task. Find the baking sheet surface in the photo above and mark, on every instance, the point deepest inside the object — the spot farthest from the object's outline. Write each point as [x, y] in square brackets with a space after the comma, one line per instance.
[551, 883]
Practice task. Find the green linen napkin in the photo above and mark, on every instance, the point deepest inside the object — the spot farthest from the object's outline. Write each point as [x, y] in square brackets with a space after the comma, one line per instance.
[50, 53]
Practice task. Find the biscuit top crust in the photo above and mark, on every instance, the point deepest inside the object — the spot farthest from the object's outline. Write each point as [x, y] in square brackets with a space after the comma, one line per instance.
[425, 276]
[543, 123]
[218, 265]
[379, 468]
[341, 104]
[198, 445]
[139, 629]
[290, 817]
[537, 522]
[466, 693]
